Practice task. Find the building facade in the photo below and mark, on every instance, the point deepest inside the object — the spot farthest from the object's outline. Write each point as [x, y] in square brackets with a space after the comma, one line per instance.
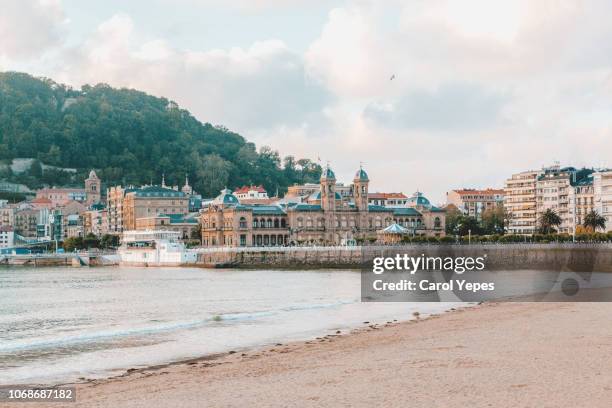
[473, 202]
[520, 202]
[567, 191]
[152, 201]
[581, 202]
[93, 189]
[185, 225]
[251, 193]
[602, 194]
[89, 195]
[323, 217]
[388, 199]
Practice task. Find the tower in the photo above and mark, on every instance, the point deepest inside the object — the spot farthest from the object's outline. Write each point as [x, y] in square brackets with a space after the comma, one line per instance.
[187, 189]
[360, 191]
[92, 188]
[328, 190]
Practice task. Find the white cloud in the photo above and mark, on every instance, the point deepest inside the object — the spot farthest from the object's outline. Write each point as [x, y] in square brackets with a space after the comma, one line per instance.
[28, 28]
[481, 89]
[243, 89]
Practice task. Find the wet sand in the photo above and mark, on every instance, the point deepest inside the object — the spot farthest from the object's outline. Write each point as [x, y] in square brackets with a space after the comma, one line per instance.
[492, 355]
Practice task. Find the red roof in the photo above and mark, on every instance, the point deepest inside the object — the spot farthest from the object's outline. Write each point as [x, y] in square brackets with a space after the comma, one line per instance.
[471, 191]
[382, 196]
[41, 200]
[246, 189]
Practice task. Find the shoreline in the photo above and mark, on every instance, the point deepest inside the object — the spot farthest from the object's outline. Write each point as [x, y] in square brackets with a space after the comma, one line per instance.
[507, 354]
[261, 348]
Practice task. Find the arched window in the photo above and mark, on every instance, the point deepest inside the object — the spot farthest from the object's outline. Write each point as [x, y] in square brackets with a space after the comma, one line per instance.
[276, 224]
[283, 223]
[300, 222]
[243, 222]
[437, 222]
[255, 223]
[270, 223]
[308, 222]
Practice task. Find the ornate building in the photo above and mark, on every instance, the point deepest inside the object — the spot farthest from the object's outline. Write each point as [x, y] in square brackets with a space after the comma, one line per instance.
[323, 217]
[93, 187]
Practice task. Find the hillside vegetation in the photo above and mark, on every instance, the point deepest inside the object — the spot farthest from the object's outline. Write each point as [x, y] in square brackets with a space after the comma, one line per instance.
[129, 137]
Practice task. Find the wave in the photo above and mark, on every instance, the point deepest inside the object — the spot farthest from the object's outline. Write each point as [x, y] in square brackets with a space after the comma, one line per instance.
[110, 335]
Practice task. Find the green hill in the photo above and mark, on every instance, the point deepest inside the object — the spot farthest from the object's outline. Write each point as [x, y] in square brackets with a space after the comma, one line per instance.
[129, 137]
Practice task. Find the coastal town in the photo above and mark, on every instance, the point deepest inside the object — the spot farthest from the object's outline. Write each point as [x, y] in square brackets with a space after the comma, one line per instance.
[329, 213]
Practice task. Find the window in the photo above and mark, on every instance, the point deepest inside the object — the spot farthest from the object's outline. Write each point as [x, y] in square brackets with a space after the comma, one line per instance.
[243, 223]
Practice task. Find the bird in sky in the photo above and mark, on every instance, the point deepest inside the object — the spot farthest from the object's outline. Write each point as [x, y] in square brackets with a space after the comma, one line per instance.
[392, 77]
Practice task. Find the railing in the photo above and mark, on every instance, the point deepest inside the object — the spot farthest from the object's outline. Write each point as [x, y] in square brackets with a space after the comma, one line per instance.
[508, 245]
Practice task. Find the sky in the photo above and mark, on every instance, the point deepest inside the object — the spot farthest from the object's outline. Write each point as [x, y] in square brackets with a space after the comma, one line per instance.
[428, 95]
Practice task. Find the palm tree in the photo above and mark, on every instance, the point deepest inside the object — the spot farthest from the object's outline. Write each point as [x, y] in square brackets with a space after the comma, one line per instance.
[548, 221]
[593, 220]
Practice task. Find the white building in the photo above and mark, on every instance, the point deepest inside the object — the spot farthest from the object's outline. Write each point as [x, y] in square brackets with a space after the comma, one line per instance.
[251, 193]
[602, 193]
[7, 237]
[520, 202]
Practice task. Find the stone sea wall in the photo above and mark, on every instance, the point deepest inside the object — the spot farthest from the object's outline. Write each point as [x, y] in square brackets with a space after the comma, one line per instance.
[563, 257]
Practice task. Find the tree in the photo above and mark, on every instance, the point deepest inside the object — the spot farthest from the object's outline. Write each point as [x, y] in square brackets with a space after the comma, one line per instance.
[72, 243]
[36, 169]
[453, 214]
[493, 220]
[593, 220]
[196, 233]
[109, 241]
[467, 225]
[548, 221]
[91, 241]
[131, 137]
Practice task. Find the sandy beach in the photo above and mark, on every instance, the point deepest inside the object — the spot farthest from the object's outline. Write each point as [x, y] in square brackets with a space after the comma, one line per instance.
[506, 354]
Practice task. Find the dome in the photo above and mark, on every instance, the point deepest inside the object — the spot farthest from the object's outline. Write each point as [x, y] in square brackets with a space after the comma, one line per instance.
[226, 197]
[361, 175]
[418, 199]
[328, 174]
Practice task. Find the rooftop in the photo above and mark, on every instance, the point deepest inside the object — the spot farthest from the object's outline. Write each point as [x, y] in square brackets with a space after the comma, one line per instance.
[246, 189]
[383, 196]
[473, 191]
[157, 191]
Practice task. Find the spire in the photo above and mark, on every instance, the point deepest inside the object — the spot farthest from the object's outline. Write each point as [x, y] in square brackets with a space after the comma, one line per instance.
[163, 184]
[186, 180]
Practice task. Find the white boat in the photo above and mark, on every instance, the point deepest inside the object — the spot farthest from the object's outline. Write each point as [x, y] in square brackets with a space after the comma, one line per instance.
[154, 248]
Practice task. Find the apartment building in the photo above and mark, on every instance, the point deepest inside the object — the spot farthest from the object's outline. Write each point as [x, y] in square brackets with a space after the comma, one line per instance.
[602, 194]
[474, 202]
[7, 214]
[520, 202]
[7, 236]
[581, 201]
[568, 192]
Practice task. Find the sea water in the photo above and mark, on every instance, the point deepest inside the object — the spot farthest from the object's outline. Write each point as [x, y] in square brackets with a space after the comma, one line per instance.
[65, 324]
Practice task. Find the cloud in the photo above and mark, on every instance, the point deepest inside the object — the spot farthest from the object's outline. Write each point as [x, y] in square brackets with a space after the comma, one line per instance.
[28, 28]
[454, 106]
[244, 89]
[514, 84]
